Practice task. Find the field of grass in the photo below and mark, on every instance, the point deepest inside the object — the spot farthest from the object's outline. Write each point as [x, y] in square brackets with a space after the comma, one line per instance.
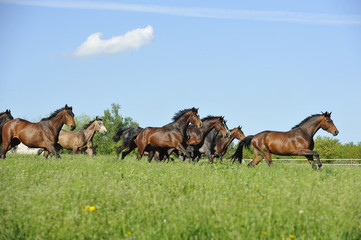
[102, 198]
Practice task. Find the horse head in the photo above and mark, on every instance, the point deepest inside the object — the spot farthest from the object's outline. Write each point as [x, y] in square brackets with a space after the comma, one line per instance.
[99, 125]
[238, 133]
[221, 127]
[327, 124]
[194, 117]
[69, 117]
[6, 116]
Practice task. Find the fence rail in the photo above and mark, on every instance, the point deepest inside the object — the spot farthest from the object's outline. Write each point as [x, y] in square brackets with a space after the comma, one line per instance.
[352, 162]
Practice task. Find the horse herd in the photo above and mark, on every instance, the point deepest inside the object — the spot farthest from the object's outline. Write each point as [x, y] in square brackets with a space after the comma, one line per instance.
[187, 135]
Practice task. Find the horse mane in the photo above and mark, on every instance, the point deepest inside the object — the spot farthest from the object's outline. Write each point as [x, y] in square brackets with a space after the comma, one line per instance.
[53, 114]
[181, 112]
[209, 117]
[307, 118]
[88, 124]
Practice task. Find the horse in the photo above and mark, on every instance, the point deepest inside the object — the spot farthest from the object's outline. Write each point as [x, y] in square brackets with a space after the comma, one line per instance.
[197, 135]
[169, 136]
[296, 142]
[43, 134]
[216, 145]
[221, 143]
[81, 140]
[4, 117]
[128, 135]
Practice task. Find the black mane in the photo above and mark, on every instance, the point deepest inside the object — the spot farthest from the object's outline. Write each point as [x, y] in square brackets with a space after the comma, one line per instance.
[209, 117]
[306, 119]
[53, 114]
[181, 112]
[88, 124]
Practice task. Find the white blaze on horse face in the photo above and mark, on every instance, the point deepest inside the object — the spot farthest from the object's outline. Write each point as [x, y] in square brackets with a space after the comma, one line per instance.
[102, 128]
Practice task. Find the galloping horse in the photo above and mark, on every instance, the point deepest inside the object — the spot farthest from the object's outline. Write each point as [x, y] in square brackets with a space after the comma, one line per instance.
[82, 139]
[298, 141]
[197, 135]
[4, 117]
[216, 145]
[222, 143]
[171, 135]
[128, 135]
[43, 134]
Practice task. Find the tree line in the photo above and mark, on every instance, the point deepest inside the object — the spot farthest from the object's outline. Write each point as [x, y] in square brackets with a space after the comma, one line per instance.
[327, 147]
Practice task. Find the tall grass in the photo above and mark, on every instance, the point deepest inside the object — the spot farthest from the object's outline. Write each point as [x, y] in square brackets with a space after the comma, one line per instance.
[102, 198]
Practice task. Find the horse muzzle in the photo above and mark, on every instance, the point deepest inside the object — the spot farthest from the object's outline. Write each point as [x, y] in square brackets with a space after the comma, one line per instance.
[335, 133]
[72, 127]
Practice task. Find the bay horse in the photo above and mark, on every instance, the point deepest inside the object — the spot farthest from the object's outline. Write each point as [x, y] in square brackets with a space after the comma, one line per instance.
[81, 139]
[216, 145]
[296, 142]
[221, 143]
[43, 134]
[4, 117]
[196, 136]
[172, 135]
[128, 135]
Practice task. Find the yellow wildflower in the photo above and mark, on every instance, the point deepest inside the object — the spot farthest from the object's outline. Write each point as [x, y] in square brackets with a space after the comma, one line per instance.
[292, 236]
[89, 208]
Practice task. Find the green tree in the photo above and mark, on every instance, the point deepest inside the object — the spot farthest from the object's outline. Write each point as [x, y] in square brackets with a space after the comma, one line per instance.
[113, 121]
[328, 147]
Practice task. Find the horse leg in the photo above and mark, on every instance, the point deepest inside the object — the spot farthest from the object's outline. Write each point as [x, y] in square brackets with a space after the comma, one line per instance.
[257, 158]
[40, 151]
[52, 149]
[150, 155]
[7, 146]
[267, 157]
[90, 152]
[119, 150]
[309, 154]
[182, 149]
[311, 161]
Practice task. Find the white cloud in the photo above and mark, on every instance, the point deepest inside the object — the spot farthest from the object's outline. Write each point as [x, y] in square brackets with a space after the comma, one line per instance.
[132, 40]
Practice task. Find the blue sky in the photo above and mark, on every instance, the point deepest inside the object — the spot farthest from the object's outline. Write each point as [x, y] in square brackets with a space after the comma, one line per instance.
[264, 65]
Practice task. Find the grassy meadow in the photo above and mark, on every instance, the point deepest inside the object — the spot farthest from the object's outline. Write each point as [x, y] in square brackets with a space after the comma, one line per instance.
[79, 197]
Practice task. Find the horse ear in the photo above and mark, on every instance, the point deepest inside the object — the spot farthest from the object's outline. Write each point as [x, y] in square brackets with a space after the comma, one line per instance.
[66, 106]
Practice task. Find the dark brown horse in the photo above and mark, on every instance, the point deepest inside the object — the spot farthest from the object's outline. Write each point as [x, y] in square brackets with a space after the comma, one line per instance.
[127, 135]
[296, 142]
[169, 136]
[198, 135]
[4, 117]
[221, 143]
[82, 139]
[43, 134]
[216, 145]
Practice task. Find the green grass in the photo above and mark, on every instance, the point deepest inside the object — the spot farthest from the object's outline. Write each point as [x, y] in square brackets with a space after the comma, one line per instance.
[102, 198]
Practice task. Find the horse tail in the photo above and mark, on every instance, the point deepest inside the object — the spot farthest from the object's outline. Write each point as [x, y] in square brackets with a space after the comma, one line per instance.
[238, 155]
[119, 133]
[1, 132]
[129, 140]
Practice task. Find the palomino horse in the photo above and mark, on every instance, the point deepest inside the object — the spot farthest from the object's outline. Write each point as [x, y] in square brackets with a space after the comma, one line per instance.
[169, 136]
[298, 141]
[82, 139]
[197, 135]
[4, 117]
[43, 134]
[128, 135]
